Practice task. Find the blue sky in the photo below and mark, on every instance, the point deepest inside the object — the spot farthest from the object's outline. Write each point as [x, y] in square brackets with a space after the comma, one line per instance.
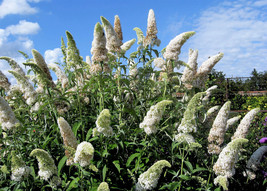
[238, 28]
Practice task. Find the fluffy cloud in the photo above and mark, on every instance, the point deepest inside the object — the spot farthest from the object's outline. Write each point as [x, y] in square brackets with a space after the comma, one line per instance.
[20, 7]
[52, 56]
[238, 29]
[23, 28]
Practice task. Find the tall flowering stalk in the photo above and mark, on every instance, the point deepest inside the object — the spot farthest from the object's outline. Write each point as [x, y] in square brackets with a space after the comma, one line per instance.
[4, 83]
[98, 49]
[189, 73]
[149, 179]
[103, 124]
[14, 65]
[47, 167]
[153, 117]
[127, 45]
[243, 127]
[8, 119]
[232, 121]
[217, 132]
[117, 28]
[254, 161]
[103, 187]
[73, 58]
[84, 154]
[18, 168]
[69, 139]
[151, 33]
[62, 77]
[224, 167]
[113, 41]
[173, 49]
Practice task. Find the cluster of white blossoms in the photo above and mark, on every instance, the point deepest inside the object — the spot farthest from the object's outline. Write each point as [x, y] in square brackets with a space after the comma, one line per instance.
[40, 62]
[103, 187]
[232, 121]
[193, 77]
[18, 168]
[84, 153]
[184, 138]
[117, 27]
[4, 83]
[98, 49]
[151, 32]
[243, 127]
[8, 119]
[225, 165]
[127, 45]
[217, 132]
[113, 42]
[173, 49]
[188, 124]
[149, 179]
[159, 63]
[62, 78]
[69, 138]
[153, 117]
[103, 124]
[256, 157]
[47, 167]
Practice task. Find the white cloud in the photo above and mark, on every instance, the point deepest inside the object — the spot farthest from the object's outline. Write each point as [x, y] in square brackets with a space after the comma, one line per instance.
[23, 28]
[20, 7]
[238, 29]
[52, 56]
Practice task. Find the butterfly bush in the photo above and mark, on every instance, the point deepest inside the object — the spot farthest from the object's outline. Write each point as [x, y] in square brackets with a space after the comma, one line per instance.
[153, 117]
[149, 179]
[69, 139]
[18, 168]
[61, 76]
[103, 124]
[151, 32]
[4, 83]
[8, 119]
[243, 127]
[224, 167]
[232, 121]
[84, 153]
[46, 164]
[103, 187]
[217, 132]
[117, 28]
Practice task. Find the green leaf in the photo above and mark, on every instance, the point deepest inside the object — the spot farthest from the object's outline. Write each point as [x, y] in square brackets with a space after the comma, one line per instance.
[89, 133]
[73, 184]
[184, 177]
[189, 165]
[76, 126]
[61, 164]
[104, 172]
[130, 159]
[199, 169]
[117, 165]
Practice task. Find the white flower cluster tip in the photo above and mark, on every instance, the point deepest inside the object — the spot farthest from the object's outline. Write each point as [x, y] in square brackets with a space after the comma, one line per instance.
[153, 117]
[84, 154]
[103, 124]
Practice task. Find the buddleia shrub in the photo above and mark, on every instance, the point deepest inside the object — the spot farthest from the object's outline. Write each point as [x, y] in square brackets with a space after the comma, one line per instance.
[121, 120]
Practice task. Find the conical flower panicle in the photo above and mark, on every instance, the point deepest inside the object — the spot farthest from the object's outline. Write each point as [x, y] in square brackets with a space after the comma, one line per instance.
[46, 164]
[188, 123]
[8, 119]
[103, 124]
[225, 165]
[232, 121]
[73, 59]
[18, 168]
[217, 132]
[84, 154]
[173, 49]
[127, 45]
[243, 127]
[4, 83]
[113, 41]
[98, 49]
[69, 138]
[153, 117]
[62, 78]
[189, 73]
[117, 28]
[149, 179]
[39, 60]
[103, 187]
[139, 34]
[206, 67]
[14, 65]
[151, 32]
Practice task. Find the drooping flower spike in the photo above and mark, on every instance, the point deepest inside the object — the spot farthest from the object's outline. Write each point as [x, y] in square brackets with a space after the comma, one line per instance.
[84, 153]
